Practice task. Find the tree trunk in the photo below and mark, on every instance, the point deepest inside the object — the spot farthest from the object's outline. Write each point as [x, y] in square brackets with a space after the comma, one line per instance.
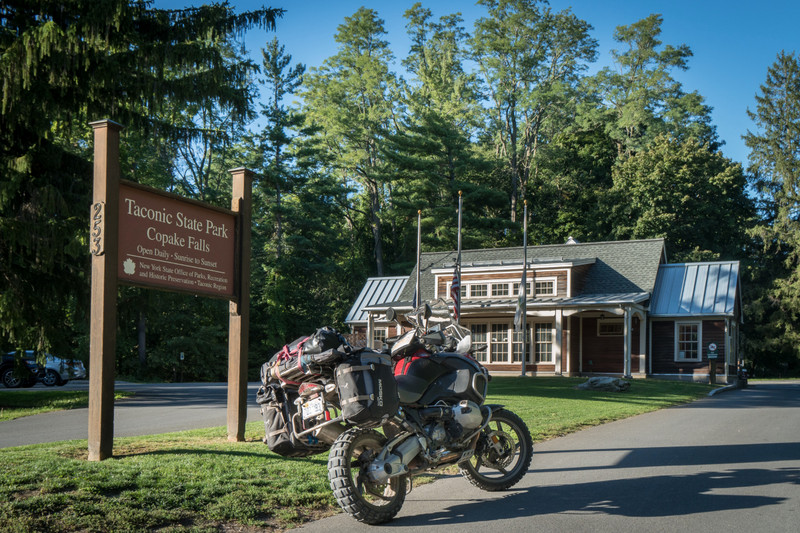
[375, 222]
[142, 336]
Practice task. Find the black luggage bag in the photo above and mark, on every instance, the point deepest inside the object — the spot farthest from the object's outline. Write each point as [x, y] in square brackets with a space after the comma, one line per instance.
[367, 389]
[277, 408]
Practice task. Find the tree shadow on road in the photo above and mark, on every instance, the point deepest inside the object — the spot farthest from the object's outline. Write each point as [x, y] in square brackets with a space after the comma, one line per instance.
[652, 496]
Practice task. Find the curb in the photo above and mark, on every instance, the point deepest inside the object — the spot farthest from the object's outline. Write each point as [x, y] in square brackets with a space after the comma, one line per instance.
[725, 389]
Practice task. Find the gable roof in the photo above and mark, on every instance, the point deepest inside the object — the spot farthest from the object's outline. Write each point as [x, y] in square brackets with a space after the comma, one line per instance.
[619, 266]
[376, 291]
[696, 289]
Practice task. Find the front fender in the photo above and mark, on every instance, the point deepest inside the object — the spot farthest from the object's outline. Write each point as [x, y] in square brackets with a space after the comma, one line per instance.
[494, 406]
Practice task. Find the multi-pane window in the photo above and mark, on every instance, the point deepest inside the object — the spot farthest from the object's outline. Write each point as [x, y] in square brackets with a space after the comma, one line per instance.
[610, 328]
[479, 338]
[477, 291]
[498, 344]
[543, 343]
[379, 336]
[527, 286]
[516, 345]
[688, 341]
[499, 289]
[545, 287]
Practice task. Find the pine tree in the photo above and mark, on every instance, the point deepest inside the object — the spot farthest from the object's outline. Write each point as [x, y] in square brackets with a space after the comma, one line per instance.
[63, 65]
[775, 167]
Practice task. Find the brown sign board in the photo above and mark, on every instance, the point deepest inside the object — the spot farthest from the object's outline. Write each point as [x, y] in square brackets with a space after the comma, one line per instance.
[169, 242]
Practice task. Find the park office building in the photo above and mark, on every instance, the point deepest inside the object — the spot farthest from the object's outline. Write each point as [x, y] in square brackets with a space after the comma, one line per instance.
[605, 308]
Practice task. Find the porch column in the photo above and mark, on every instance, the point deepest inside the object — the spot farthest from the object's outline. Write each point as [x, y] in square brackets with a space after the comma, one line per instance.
[370, 328]
[627, 349]
[557, 354]
[643, 355]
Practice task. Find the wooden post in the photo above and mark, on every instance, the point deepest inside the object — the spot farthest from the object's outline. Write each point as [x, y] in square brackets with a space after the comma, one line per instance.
[238, 325]
[103, 327]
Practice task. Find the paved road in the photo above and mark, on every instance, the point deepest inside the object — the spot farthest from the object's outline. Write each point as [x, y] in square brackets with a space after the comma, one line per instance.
[155, 408]
[726, 463]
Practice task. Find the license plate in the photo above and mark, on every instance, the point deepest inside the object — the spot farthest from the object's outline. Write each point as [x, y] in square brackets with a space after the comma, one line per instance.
[313, 408]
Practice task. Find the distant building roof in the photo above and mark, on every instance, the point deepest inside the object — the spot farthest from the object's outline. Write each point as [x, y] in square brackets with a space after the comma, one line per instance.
[376, 291]
[619, 267]
[696, 289]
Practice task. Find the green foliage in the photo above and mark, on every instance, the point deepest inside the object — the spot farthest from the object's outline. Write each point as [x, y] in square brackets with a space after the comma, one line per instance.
[530, 61]
[641, 100]
[62, 65]
[349, 101]
[774, 336]
[684, 192]
[503, 114]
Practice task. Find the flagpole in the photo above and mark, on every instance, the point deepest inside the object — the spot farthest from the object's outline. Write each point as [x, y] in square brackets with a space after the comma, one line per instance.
[418, 289]
[457, 297]
[523, 285]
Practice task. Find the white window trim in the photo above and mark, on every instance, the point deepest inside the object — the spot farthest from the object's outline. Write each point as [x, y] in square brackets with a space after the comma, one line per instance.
[539, 279]
[699, 324]
[534, 343]
[509, 335]
[530, 352]
[610, 321]
[384, 330]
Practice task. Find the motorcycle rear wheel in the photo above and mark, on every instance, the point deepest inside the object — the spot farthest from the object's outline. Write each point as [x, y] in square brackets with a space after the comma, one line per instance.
[355, 492]
[502, 455]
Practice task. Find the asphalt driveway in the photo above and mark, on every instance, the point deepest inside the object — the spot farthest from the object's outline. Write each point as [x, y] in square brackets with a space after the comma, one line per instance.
[155, 408]
[726, 463]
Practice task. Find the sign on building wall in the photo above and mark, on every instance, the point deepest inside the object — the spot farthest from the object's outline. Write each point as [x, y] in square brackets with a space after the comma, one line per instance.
[168, 242]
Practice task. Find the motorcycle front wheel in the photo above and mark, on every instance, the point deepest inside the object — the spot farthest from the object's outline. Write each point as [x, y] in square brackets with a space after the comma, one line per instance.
[355, 492]
[502, 455]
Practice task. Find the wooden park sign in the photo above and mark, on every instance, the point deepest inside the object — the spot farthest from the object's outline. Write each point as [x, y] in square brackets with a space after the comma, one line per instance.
[150, 238]
[173, 243]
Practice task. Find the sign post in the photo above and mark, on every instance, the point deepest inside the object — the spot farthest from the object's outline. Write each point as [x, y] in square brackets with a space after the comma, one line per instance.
[712, 363]
[103, 328]
[150, 238]
[238, 323]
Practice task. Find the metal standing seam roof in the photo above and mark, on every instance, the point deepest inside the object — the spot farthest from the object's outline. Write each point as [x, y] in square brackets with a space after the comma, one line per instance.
[376, 291]
[696, 289]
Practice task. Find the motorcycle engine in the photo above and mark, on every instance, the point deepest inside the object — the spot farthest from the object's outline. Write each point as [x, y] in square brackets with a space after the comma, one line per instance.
[466, 417]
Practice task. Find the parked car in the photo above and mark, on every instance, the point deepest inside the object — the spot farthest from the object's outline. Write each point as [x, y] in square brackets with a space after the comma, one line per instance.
[18, 371]
[58, 371]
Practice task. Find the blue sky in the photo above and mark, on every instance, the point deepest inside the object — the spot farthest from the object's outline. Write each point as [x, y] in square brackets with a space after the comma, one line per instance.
[733, 42]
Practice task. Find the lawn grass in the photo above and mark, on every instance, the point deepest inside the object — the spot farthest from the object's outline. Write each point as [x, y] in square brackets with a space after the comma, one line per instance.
[197, 481]
[15, 404]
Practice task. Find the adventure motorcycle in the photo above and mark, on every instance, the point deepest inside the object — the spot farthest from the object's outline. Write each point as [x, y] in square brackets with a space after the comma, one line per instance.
[386, 416]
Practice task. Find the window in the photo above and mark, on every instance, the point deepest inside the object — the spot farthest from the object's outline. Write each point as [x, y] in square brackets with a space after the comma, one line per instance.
[379, 336]
[498, 344]
[687, 341]
[545, 287]
[610, 327]
[516, 345]
[499, 289]
[477, 291]
[527, 287]
[543, 348]
[479, 337]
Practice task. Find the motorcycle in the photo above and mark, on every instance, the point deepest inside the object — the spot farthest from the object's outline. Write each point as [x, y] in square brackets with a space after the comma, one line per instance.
[414, 407]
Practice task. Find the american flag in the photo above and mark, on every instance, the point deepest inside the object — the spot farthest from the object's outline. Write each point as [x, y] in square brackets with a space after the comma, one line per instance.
[455, 293]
